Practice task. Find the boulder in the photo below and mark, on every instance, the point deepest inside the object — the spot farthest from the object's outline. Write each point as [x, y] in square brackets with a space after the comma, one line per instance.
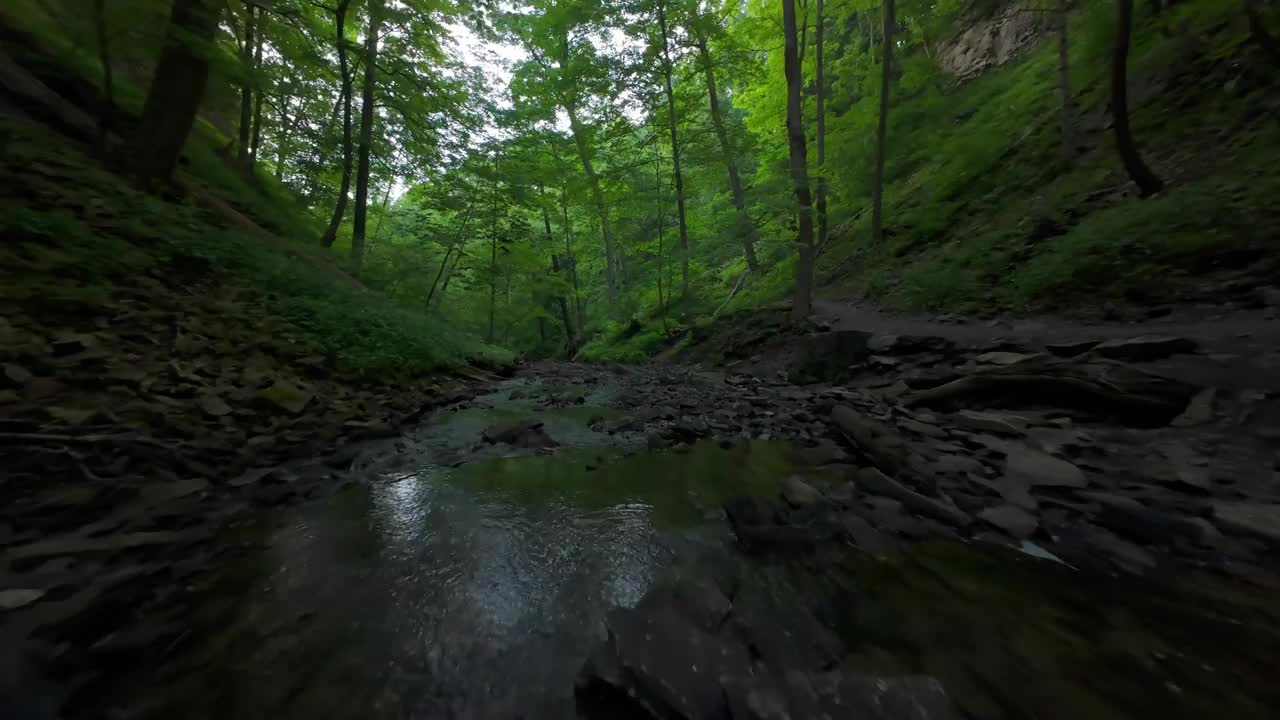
[873, 481]
[837, 695]
[799, 493]
[989, 422]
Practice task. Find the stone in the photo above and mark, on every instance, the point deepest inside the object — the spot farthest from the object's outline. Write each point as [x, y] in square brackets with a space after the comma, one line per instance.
[524, 434]
[16, 374]
[19, 597]
[989, 422]
[75, 545]
[864, 536]
[1012, 519]
[956, 465]
[1130, 518]
[1004, 358]
[213, 405]
[1071, 348]
[824, 453]
[164, 492]
[661, 664]
[1030, 467]
[1145, 347]
[1249, 518]
[799, 493]
[286, 396]
[924, 429]
[1199, 411]
[876, 482]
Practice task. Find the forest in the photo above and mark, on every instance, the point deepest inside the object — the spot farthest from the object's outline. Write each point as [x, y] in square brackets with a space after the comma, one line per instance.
[594, 177]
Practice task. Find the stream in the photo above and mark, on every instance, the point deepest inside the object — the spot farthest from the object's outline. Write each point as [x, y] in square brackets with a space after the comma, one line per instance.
[470, 580]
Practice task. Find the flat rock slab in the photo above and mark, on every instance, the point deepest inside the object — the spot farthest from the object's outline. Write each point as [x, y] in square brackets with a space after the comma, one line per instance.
[75, 545]
[1257, 519]
[1145, 347]
[1034, 468]
[1014, 520]
[799, 493]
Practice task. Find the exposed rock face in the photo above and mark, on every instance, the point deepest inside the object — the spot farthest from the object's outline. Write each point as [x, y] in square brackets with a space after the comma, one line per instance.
[995, 40]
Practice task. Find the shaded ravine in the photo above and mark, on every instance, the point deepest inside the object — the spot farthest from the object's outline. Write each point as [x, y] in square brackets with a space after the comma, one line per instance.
[467, 579]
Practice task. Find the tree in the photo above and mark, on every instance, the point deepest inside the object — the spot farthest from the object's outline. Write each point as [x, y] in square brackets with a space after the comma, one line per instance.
[103, 38]
[246, 86]
[344, 72]
[745, 229]
[803, 301]
[820, 91]
[366, 134]
[882, 130]
[675, 155]
[1147, 182]
[173, 98]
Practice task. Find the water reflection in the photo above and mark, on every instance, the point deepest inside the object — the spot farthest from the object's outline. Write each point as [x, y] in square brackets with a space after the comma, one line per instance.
[449, 592]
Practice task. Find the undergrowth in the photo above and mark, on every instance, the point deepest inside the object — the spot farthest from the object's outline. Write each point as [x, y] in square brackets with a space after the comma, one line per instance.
[78, 238]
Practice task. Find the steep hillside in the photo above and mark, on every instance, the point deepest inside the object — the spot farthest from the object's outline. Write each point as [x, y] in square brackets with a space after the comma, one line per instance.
[985, 213]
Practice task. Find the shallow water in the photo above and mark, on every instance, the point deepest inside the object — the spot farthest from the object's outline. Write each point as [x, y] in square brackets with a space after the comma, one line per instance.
[476, 591]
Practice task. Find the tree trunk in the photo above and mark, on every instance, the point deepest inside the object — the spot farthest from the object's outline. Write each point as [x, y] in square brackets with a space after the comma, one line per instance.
[657, 186]
[1064, 84]
[366, 136]
[1146, 180]
[877, 182]
[108, 78]
[246, 87]
[746, 230]
[169, 112]
[597, 195]
[256, 141]
[675, 159]
[344, 185]
[569, 341]
[569, 257]
[802, 304]
[820, 98]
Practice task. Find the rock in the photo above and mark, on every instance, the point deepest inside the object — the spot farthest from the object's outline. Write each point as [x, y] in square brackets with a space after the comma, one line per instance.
[1129, 518]
[525, 434]
[923, 429]
[879, 442]
[691, 596]
[75, 545]
[17, 375]
[19, 597]
[164, 492]
[1012, 519]
[655, 441]
[1029, 467]
[876, 482]
[286, 396]
[1249, 518]
[957, 465]
[1145, 347]
[213, 405]
[836, 695]
[998, 423]
[825, 453]
[883, 343]
[799, 493]
[517, 394]
[658, 664]
[1004, 358]
[1199, 411]
[866, 538]
[1071, 349]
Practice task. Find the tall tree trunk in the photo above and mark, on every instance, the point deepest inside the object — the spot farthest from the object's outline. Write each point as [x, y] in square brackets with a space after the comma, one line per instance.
[169, 112]
[108, 78]
[256, 140]
[657, 186]
[675, 158]
[386, 208]
[602, 208]
[803, 302]
[569, 341]
[344, 185]
[570, 259]
[597, 194]
[1064, 84]
[1146, 180]
[366, 135]
[882, 132]
[246, 87]
[821, 99]
[746, 230]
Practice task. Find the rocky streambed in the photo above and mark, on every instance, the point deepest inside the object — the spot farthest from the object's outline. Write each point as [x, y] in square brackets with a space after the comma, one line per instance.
[909, 526]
